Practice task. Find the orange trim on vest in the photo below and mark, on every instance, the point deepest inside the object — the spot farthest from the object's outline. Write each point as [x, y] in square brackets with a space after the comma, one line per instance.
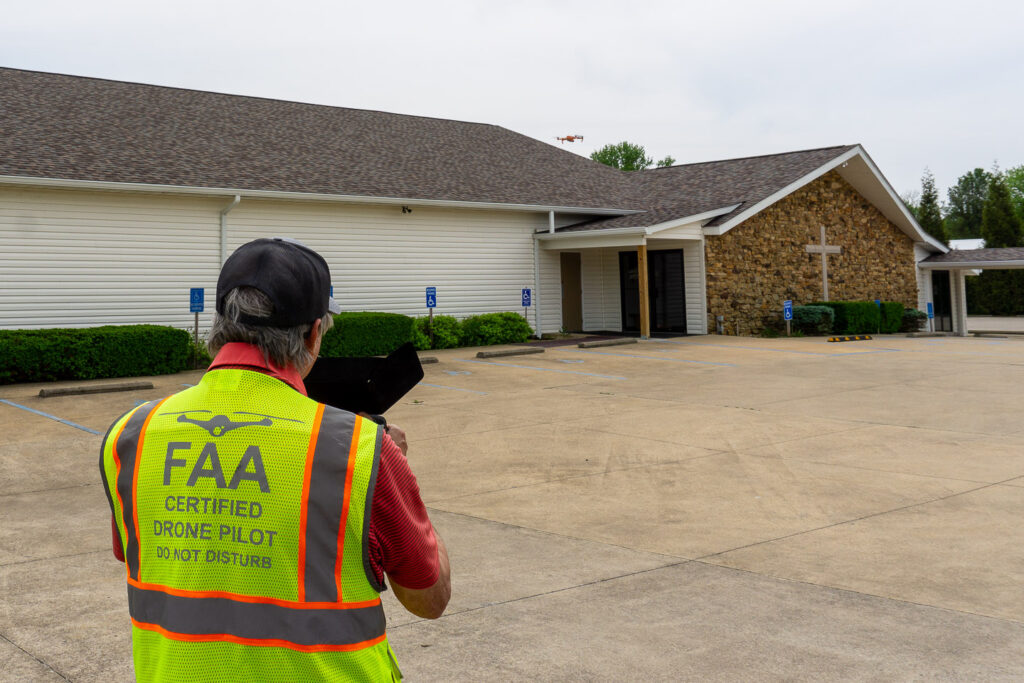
[352, 452]
[301, 589]
[269, 642]
[238, 597]
[135, 479]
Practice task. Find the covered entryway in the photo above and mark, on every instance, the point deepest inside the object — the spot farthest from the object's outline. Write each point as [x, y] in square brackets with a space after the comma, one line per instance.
[953, 267]
[666, 291]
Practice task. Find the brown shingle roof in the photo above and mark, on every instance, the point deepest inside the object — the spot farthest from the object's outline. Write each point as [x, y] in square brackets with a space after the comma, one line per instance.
[70, 127]
[56, 126]
[691, 189]
[965, 257]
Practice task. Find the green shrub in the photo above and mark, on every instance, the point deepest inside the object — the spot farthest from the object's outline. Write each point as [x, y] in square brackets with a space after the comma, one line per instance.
[854, 317]
[912, 320]
[495, 328]
[366, 334]
[813, 320]
[447, 332]
[892, 317]
[92, 353]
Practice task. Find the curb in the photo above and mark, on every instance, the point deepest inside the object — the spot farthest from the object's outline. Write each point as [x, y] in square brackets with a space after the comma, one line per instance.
[98, 389]
[606, 342]
[507, 352]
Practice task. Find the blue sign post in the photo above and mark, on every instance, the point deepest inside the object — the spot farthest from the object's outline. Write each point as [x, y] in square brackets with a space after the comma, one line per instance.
[527, 300]
[431, 297]
[931, 317]
[195, 305]
[787, 313]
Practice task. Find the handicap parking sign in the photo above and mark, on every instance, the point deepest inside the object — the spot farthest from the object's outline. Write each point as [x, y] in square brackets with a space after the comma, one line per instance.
[195, 300]
[787, 310]
[431, 297]
[526, 297]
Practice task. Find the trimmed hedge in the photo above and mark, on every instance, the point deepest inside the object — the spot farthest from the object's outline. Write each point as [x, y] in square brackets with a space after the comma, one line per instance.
[366, 334]
[92, 353]
[447, 333]
[892, 317]
[495, 328]
[813, 320]
[854, 317]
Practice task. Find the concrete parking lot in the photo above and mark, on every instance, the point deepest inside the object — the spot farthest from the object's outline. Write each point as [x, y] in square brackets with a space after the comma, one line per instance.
[702, 508]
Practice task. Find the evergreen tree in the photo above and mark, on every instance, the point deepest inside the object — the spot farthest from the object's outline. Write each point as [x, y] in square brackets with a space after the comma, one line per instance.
[966, 198]
[928, 213]
[1015, 181]
[999, 223]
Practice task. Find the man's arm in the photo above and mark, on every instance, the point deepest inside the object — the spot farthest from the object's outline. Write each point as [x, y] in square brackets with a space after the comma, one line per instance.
[429, 603]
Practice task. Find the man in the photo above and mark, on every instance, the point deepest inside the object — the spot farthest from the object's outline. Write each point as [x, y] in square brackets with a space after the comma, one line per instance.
[256, 524]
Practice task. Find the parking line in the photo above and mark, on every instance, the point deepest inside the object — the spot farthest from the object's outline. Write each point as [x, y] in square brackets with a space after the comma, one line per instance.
[52, 417]
[756, 348]
[441, 386]
[634, 355]
[532, 367]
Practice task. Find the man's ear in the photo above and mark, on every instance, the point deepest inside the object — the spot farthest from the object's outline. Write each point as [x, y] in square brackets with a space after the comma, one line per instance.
[313, 334]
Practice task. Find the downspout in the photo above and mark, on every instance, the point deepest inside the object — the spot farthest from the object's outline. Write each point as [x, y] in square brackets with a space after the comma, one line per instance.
[551, 222]
[224, 228]
[536, 285]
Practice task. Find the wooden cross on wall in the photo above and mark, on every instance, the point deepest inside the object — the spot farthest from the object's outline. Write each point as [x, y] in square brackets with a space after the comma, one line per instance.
[823, 249]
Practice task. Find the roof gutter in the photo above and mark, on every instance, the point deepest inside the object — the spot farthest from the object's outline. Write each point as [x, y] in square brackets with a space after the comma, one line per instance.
[63, 183]
[971, 265]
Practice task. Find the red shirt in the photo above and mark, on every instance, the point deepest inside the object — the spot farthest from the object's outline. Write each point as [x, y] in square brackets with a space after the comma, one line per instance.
[401, 538]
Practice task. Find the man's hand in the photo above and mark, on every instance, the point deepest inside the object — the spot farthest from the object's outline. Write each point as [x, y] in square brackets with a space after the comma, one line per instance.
[397, 435]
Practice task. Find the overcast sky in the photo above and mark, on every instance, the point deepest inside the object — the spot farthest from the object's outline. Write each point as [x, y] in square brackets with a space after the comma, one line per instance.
[935, 84]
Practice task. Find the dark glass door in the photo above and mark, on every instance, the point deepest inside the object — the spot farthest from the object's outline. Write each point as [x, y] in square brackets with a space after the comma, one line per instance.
[942, 302]
[665, 289]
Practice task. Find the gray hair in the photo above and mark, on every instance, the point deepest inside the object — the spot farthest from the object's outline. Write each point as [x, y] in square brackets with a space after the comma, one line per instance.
[284, 346]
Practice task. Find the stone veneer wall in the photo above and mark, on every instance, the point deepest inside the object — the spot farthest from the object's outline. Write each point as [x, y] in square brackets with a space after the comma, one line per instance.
[762, 262]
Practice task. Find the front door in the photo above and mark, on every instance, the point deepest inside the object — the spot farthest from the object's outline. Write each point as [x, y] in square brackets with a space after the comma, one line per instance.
[665, 290]
[942, 302]
[572, 292]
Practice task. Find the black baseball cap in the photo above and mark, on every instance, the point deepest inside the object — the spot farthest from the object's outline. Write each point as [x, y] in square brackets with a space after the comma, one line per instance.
[295, 278]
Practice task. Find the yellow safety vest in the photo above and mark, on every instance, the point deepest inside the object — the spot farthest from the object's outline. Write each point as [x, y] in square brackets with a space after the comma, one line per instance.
[243, 509]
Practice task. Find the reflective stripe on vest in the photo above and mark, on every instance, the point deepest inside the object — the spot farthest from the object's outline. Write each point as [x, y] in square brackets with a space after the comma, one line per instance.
[254, 519]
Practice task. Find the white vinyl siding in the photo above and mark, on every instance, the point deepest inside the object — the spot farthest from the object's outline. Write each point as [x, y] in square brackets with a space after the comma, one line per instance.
[601, 291]
[78, 259]
[693, 278]
[70, 258]
[550, 295]
[924, 279]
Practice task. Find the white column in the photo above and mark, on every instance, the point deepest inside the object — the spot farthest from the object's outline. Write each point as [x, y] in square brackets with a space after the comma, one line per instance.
[958, 296]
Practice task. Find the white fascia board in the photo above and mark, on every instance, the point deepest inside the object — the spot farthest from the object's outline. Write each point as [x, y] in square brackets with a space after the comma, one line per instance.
[595, 239]
[787, 190]
[545, 236]
[973, 265]
[699, 218]
[63, 183]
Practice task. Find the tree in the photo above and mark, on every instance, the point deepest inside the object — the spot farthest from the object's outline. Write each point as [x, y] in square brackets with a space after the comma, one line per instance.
[626, 156]
[999, 223]
[1015, 182]
[966, 199]
[912, 200]
[928, 213]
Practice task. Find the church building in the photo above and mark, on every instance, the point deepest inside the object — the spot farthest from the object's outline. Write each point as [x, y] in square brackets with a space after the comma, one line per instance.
[116, 199]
